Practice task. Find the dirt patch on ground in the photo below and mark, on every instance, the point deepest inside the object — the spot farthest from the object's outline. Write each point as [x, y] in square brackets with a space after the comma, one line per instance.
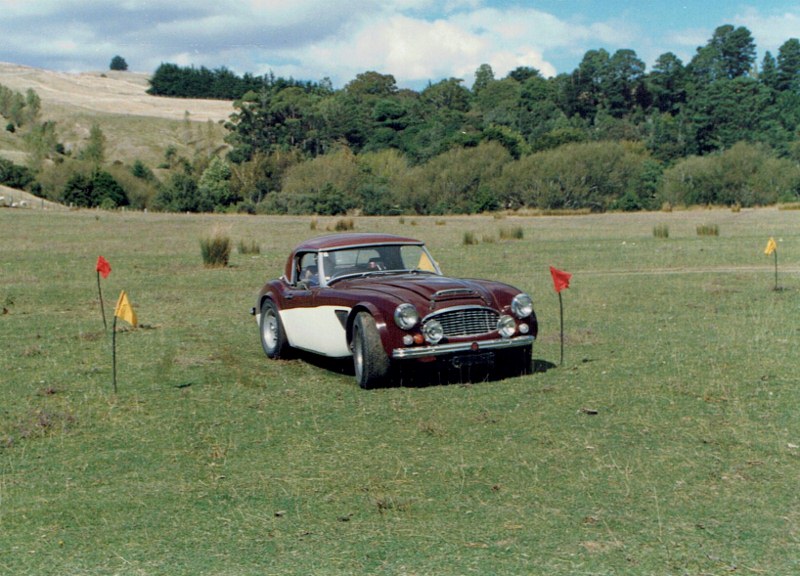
[112, 92]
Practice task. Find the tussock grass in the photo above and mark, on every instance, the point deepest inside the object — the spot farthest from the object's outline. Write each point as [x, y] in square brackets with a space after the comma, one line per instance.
[668, 442]
[216, 249]
[661, 231]
[344, 224]
[513, 233]
[251, 247]
[707, 230]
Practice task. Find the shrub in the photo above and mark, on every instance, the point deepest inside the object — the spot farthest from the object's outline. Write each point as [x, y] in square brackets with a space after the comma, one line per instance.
[216, 250]
[661, 231]
[469, 239]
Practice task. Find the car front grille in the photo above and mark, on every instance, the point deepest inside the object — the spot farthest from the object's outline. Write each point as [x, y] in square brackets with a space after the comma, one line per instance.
[467, 321]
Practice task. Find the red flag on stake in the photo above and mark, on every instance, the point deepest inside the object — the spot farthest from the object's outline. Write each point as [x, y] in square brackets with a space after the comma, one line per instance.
[560, 281]
[103, 267]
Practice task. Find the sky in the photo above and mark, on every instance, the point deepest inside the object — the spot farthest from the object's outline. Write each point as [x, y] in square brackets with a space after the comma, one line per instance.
[416, 41]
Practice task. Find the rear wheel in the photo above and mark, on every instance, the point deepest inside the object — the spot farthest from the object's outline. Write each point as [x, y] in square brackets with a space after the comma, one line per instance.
[273, 338]
[369, 358]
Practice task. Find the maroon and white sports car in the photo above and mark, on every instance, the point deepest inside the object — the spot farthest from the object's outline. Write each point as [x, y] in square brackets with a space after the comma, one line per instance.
[383, 300]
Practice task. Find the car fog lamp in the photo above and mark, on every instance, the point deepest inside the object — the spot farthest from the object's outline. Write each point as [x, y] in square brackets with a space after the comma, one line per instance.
[524, 328]
[433, 332]
[406, 316]
[408, 340]
[522, 305]
[506, 326]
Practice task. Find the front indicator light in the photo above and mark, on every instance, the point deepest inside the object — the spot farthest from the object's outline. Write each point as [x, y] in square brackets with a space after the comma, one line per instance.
[506, 326]
[524, 328]
[433, 332]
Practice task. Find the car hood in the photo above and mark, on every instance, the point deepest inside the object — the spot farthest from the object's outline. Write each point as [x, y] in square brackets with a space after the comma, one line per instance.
[428, 292]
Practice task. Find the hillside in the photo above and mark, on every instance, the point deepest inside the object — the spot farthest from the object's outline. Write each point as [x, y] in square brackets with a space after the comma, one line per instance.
[136, 125]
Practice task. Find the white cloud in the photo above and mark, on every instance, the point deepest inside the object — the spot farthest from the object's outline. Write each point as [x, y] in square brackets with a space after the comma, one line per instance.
[770, 29]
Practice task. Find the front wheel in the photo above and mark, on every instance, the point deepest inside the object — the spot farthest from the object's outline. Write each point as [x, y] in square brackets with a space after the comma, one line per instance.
[273, 338]
[369, 358]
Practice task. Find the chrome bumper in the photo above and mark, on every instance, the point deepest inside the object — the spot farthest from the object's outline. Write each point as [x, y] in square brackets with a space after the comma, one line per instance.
[474, 346]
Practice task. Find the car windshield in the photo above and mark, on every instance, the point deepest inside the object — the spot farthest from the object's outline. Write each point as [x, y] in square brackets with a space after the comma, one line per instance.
[383, 259]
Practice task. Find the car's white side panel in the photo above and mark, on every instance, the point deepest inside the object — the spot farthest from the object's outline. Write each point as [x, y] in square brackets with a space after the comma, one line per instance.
[316, 329]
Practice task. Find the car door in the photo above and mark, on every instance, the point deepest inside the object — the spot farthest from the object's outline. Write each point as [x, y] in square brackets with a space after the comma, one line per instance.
[312, 321]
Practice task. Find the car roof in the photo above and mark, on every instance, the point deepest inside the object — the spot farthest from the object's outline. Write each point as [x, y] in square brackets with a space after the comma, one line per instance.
[352, 239]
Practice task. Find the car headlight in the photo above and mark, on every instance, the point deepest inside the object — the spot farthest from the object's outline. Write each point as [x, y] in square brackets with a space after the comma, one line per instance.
[522, 305]
[506, 326]
[433, 331]
[406, 316]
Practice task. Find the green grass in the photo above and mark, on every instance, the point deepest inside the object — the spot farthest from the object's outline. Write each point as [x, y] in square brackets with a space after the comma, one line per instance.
[212, 459]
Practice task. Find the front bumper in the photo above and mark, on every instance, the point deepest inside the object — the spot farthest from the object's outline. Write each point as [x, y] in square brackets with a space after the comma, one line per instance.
[458, 347]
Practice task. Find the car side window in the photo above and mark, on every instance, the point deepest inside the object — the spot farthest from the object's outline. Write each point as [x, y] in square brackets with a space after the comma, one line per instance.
[306, 269]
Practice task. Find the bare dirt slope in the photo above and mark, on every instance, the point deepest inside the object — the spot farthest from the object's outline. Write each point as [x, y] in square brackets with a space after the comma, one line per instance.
[107, 92]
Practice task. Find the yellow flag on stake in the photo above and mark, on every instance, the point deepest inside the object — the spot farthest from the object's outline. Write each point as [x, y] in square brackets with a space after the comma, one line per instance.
[124, 310]
[771, 247]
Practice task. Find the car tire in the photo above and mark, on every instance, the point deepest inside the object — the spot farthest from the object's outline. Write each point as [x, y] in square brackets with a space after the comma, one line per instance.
[369, 358]
[273, 337]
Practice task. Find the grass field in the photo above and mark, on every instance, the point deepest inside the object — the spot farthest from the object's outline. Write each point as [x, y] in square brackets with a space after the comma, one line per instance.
[668, 443]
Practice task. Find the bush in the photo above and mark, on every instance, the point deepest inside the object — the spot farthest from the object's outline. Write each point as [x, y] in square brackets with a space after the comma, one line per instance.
[469, 239]
[216, 250]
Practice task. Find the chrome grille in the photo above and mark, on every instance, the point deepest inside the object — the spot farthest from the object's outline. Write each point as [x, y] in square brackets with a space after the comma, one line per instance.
[467, 321]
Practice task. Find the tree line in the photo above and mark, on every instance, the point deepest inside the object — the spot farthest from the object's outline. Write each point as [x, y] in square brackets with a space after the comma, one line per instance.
[720, 129]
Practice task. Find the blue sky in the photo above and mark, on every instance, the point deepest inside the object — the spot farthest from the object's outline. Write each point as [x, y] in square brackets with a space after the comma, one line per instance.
[417, 41]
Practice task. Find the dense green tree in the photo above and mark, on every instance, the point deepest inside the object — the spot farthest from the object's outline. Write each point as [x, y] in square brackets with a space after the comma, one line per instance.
[624, 85]
[371, 84]
[484, 76]
[584, 94]
[214, 186]
[178, 194]
[729, 54]
[118, 63]
[728, 111]
[768, 75]
[99, 188]
[789, 66]
[15, 176]
[667, 83]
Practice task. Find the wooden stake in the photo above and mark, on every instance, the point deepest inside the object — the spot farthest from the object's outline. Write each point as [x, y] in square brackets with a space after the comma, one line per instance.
[561, 316]
[114, 353]
[102, 307]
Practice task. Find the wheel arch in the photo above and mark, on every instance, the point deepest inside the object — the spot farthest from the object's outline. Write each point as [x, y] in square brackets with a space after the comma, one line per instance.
[380, 322]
